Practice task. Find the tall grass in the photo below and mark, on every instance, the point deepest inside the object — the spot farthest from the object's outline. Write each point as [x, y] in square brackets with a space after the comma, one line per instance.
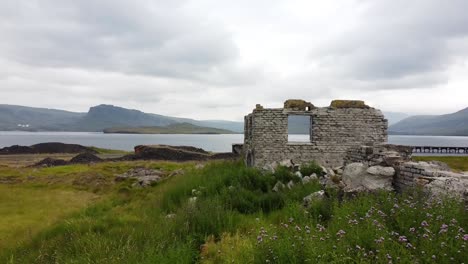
[227, 212]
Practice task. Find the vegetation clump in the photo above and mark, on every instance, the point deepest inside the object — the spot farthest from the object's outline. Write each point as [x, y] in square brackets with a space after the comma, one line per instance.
[348, 104]
[227, 212]
[310, 168]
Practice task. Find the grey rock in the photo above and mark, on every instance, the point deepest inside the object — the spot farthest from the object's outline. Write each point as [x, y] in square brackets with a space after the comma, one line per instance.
[290, 185]
[352, 176]
[313, 197]
[287, 163]
[383, 171]
[192, 200]
[298, 174]
[278, 186]
[170, 216]
[305, 180]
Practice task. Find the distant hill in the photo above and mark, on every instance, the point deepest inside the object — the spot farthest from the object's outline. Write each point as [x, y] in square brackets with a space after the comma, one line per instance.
[179, 128]
[394, 117]
[13, 117]
[455, 124]
[97, 119]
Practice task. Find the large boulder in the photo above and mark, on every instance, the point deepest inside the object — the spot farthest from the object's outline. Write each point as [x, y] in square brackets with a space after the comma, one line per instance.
[451, 183]
[379, 178]
[352, 177]
[359, 177]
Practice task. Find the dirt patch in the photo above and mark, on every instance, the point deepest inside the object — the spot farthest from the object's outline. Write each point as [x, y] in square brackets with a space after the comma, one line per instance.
[50, 162]
[175, 153]
[85, 158]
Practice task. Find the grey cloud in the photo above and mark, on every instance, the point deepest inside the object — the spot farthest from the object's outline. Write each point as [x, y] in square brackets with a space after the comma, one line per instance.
[138, 37]
[399, 40]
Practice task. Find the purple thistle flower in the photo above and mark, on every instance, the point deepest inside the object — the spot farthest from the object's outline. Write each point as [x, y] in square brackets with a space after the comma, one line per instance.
[259, 239]
[443, 228]
[402, 239]
[340, 233]
[465, 237]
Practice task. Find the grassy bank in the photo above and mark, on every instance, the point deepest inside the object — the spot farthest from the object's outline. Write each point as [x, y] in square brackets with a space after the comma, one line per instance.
[458, 163]
[235, 217]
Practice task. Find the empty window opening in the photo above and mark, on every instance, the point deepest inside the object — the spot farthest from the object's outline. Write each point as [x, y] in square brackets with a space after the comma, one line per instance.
[299, 128]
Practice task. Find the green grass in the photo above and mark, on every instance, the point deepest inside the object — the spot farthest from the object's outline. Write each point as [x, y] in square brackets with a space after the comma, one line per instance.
[27, 211]
[237, 217]
[458, 163]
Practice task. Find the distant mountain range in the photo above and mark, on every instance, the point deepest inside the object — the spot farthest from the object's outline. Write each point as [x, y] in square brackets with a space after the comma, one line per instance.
[455, 124]
[102, 117]
[179, 128]
[97, 119]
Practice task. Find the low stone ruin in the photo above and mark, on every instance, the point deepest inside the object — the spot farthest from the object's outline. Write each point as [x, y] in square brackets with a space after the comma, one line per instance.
[435, 177]
[383, 167]
[332, 130]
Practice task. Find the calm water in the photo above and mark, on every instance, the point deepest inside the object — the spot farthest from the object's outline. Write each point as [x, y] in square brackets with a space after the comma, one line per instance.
[217, 143]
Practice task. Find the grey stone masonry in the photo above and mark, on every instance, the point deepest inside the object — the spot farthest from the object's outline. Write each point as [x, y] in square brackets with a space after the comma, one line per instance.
[378, 154]
[333, 131]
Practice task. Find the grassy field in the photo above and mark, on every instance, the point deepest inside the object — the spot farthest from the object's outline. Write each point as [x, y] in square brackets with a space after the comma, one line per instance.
[25, 211]
[458, 163]
[82, 216]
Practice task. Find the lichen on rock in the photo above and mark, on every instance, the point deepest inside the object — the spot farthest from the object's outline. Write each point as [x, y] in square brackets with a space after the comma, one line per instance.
[298, 104]
[348, 104]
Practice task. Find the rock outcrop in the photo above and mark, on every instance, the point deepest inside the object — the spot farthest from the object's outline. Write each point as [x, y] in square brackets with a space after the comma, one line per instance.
[175, 153]
[359, 177]
[46, 148]
[143, 177]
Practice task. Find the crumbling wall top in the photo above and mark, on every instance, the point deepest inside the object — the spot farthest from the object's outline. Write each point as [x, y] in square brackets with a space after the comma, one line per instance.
[348, 104]
[298, 105]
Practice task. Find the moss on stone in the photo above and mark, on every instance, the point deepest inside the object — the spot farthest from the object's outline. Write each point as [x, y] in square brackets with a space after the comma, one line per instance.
[298, 104]
[348, 104]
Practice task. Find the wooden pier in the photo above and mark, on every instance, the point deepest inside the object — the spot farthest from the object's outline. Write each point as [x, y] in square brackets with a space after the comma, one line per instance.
[440, 150]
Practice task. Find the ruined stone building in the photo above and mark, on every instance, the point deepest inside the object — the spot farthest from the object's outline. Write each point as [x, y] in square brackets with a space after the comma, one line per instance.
[332, 130]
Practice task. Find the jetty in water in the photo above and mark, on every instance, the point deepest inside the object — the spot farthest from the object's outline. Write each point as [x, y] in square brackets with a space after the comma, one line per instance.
[440, 150]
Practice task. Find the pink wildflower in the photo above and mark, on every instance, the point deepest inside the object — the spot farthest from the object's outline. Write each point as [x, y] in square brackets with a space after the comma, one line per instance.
[402, 239]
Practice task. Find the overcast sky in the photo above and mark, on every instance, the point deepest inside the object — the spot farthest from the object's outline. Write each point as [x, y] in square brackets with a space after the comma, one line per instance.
[216, 59]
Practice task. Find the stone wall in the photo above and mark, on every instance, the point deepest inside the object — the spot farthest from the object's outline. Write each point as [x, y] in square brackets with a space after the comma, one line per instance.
[435, 177]
[333, 131]
[379, 154]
